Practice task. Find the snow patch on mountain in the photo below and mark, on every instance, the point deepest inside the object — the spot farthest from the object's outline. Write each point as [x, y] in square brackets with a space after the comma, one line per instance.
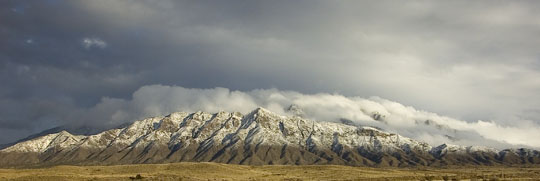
[203, 136]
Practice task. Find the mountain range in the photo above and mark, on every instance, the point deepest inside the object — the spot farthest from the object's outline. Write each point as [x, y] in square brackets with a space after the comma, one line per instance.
[260, 137]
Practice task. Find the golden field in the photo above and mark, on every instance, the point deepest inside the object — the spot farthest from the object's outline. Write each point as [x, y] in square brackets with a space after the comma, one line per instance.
[217, 171]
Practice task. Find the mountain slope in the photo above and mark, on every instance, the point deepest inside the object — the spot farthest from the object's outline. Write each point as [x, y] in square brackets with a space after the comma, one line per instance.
[81, 130]
[258, 138]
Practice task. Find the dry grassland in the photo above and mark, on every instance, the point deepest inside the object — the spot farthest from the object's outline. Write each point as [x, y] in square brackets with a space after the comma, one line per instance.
[217, 171]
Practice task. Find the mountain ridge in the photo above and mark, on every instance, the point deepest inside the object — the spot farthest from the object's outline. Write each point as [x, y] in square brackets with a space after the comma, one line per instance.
[257, 138]
[73, 129]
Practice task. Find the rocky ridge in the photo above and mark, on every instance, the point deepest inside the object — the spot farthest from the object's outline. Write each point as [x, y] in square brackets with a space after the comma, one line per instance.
[257, 138]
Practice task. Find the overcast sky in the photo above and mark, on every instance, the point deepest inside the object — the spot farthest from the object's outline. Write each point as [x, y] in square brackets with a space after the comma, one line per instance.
[60, 60]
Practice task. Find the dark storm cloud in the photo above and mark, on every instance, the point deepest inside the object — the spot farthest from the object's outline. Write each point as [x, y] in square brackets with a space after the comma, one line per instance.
[469, 60]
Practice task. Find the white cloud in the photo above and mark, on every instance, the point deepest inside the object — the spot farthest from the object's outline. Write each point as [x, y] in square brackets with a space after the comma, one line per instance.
[156, 100]
[93, 42]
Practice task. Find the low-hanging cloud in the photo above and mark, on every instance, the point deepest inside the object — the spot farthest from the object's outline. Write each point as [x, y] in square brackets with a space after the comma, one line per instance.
[155, 100]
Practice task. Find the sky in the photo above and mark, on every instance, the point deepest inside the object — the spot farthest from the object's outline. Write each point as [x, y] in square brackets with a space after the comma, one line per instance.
[470, 67]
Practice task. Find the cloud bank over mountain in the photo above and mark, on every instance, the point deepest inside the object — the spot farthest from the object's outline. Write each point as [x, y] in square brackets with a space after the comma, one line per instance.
[467, 60]
[156, 100]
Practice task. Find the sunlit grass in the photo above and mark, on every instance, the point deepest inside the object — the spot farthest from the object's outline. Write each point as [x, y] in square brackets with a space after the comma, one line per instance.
[206, 171]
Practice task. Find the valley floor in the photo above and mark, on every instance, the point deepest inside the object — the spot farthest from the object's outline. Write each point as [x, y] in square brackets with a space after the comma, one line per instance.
[217, 171]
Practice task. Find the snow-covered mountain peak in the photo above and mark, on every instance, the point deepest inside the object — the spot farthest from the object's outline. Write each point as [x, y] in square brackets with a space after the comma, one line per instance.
[259, 137]
[43, 143]
[260, 111]
[177, 115]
